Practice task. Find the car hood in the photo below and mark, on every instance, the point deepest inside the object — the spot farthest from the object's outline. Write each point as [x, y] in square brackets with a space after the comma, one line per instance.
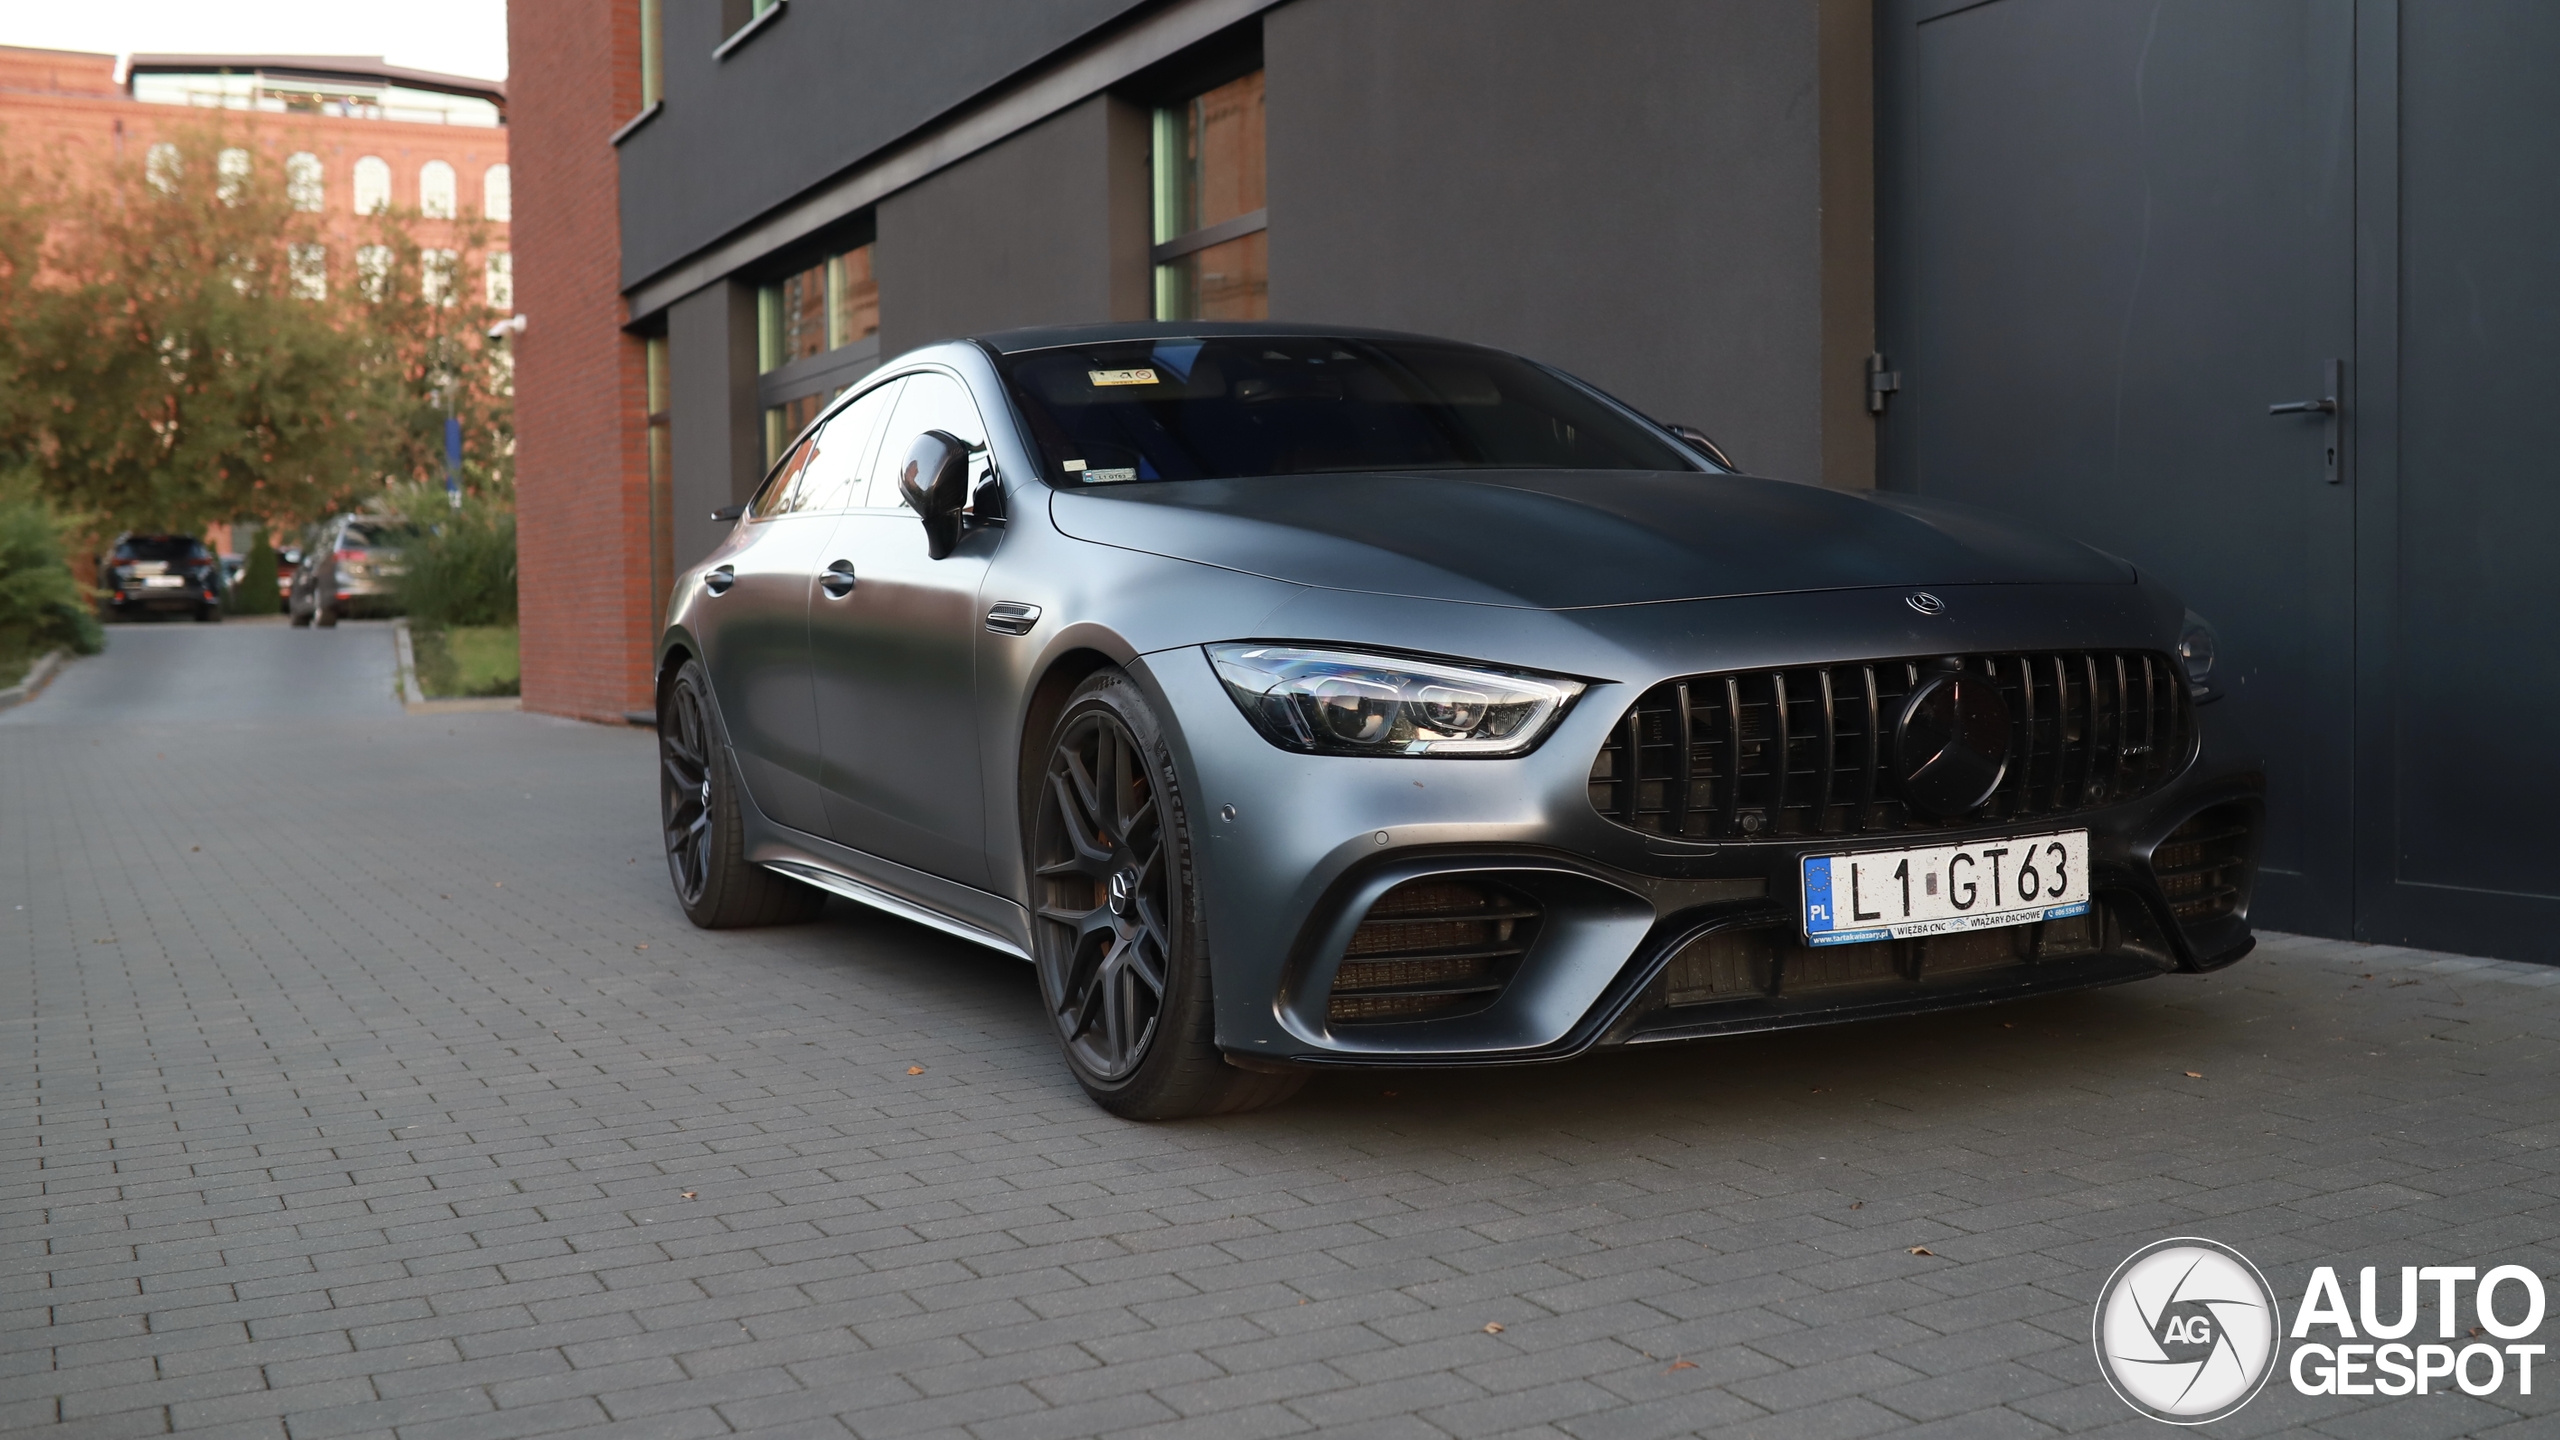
[1557, 540]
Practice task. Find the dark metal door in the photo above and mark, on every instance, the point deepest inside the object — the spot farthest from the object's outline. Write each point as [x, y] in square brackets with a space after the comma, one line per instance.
[2459, 432]
[2113, 233]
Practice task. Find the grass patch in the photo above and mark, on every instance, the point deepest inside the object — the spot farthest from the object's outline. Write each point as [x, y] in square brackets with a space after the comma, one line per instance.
[459, 661]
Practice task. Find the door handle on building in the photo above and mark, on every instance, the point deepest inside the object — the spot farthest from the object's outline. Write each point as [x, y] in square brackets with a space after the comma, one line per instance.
[2326, 405]
[837, 579]
[719, 579]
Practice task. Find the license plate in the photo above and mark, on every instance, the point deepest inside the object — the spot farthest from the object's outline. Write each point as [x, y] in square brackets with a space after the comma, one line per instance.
[1980, 885]
[163, 582]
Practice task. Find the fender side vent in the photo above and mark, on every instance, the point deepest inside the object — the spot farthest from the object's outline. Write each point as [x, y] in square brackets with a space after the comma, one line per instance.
[1432, 949]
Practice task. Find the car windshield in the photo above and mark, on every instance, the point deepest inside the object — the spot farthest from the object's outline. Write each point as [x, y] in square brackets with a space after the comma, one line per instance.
[1231, 406]
[159, 547]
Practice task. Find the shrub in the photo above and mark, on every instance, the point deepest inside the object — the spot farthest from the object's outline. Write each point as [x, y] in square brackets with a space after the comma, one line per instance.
[459, 566]
[255, 591]
[41, 606]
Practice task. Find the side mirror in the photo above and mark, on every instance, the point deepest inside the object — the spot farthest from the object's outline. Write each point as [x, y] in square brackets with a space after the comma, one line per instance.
[727, 514]
[1697, 440]
[935, 484]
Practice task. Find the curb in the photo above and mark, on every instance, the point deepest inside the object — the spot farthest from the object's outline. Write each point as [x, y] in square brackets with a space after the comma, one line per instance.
[414, 699]
[39, 675]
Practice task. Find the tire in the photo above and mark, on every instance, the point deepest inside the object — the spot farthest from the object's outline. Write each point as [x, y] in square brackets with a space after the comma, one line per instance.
[1118, 937]
[698, 811]
[208, 614]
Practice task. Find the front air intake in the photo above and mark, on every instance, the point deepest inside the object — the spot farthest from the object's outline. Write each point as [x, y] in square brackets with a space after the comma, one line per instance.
[2201, 865]
[1432, 949]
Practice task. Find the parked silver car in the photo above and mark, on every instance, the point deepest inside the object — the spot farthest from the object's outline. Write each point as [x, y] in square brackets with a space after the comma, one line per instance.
[350, 567]
[1297, 698]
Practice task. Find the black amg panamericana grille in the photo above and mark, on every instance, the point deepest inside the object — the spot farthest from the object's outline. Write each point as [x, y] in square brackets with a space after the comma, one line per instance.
[1766, 753]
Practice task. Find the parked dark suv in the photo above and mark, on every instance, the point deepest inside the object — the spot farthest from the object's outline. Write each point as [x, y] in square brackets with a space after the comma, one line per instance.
[163, 573]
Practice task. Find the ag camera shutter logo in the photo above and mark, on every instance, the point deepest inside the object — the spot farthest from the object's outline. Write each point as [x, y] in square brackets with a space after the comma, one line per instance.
[2187, 1331]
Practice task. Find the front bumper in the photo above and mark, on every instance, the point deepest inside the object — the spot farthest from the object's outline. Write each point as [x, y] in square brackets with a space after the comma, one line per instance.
[1293, 850]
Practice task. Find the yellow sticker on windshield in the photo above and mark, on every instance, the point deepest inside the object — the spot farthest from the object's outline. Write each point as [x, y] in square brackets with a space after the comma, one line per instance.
[1141, 376]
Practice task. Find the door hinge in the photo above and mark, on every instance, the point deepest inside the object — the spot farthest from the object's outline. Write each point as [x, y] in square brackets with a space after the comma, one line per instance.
[1880, 383]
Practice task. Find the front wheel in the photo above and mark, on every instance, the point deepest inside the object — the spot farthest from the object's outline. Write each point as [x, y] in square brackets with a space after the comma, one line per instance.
[698, 806]
[1122, 951]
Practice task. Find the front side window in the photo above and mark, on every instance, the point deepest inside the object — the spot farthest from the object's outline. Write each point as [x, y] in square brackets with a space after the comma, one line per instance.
[930, 401]
[835, 477]
[1233, 406]
[1212, 251]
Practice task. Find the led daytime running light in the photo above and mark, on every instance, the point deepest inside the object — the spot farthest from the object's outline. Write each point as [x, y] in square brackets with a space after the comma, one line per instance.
[1338, 702]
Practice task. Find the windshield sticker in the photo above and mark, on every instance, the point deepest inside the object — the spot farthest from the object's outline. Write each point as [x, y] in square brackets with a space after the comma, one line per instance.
[1140, 376]
[1109, 477]
[1073, 466]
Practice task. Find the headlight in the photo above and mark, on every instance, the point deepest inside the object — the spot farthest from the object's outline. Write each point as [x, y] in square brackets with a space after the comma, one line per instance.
[1338, 702]
[2195, 654]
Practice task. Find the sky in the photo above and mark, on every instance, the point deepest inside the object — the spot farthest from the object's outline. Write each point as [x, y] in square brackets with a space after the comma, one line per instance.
[458, 37]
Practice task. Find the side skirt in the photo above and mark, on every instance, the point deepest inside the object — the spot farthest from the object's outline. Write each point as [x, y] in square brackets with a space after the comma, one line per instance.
[878, 899]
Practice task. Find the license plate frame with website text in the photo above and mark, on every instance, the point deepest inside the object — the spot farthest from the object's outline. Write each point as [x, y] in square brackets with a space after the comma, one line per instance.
[1871, 895]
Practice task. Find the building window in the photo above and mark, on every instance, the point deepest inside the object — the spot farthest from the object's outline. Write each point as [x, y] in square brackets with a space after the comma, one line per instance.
[231, 171]
[498, 194]
[373, 185]
[830, 306]
[308, 266]
[302, 181]
[653, 52]
[160, 166]
[435, 276]
[1212, 248]
[435, 190]
[500, 281]
[373, 271]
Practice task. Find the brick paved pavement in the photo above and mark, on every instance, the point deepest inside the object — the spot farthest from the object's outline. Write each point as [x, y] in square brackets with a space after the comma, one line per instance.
[363, 1079]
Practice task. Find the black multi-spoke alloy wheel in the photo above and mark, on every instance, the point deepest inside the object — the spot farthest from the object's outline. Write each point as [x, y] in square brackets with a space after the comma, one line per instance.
[1123, 957]
[698, 808]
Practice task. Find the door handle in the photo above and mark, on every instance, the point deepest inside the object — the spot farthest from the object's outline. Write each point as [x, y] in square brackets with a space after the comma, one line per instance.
[837, 579]
[2327, 405]
[718, 580]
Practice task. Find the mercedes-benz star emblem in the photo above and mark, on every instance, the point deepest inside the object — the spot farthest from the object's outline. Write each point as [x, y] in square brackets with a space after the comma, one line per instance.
[1124, 891]
[2186, 1331]
[1951, 745]
[1925, 603]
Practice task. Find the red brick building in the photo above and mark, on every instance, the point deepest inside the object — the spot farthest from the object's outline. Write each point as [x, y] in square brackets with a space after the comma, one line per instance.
[352, 132]
[584, 493]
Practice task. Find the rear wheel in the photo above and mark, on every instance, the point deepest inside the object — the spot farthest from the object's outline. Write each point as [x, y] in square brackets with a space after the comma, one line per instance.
[698, 806]
[1122, 953]
[208, 614]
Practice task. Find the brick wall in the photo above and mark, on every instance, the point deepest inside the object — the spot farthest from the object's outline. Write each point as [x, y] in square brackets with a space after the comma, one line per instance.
[581, 442]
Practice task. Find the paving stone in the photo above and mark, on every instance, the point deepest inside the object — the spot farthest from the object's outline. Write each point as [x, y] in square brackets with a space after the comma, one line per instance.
[374, 1116]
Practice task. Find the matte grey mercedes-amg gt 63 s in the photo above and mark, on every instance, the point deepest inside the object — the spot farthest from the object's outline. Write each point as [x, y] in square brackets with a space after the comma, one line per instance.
[1295, 698]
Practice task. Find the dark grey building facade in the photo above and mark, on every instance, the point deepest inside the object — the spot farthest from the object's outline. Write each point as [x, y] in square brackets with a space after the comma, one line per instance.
[2057, 257]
